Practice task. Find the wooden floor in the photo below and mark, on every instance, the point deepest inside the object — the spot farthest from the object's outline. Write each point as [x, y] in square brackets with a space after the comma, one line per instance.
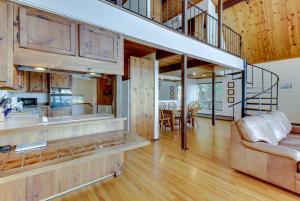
[162, 171]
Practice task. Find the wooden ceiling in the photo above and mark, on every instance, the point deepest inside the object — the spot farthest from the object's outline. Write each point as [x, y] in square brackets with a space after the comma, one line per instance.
[270, 29]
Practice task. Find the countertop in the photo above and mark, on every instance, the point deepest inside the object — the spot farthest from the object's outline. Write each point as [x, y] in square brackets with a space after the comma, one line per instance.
[11, 123]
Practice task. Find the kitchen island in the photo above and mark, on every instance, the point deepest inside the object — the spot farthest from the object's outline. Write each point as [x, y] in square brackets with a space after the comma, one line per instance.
[81, 150]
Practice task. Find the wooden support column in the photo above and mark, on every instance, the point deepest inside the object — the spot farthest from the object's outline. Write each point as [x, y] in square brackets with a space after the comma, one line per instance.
[213, 115]
[184, 17]
[220, 22]
[118, 96]
[183, 81]
[184, 102]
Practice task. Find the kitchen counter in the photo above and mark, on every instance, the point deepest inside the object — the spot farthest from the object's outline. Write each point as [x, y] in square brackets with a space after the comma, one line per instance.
[11, 123]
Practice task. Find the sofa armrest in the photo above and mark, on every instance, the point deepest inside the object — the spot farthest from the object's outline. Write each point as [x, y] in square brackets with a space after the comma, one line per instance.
[276, 150]
[296, 130]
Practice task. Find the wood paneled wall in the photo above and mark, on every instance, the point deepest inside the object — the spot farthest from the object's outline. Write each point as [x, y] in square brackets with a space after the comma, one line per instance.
[142, 97]
[270, 29]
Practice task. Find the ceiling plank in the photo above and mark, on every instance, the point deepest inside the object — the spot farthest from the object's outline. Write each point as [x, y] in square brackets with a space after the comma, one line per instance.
[230, 3]
[190, 64]
[160, 54]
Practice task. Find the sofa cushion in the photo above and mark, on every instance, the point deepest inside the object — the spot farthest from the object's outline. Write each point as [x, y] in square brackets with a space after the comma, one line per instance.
[256, 129]
[279, 124]
[291, 141]
[285, 121]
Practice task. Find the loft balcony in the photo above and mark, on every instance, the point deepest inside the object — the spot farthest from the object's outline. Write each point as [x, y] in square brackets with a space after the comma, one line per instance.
[159, 24]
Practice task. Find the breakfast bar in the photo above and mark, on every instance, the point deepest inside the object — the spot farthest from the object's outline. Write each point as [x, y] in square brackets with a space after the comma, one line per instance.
[80, 150]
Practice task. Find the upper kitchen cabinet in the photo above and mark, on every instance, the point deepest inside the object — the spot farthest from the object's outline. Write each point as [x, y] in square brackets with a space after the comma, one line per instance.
[46, 40]
[38, 82]
[45, 32]
[98, 44]
[61, 81]
[6, 44]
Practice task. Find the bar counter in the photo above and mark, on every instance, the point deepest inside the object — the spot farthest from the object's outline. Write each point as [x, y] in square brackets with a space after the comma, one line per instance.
[11, 123]
[81, 150]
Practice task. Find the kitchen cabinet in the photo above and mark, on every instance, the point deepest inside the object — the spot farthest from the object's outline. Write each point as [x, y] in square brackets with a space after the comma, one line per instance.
[6, 44]
[61, 81]
[98, 44]
[38, 82]
[21, 80]
[46, 32]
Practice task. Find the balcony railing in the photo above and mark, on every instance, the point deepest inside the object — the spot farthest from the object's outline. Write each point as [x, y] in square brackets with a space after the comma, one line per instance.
[202, 26]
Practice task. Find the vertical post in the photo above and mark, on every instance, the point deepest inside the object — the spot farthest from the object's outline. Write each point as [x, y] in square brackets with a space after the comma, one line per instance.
[220, 22]
[213, 115]
[183, 82]
[183, 102]
[244, 84]
[184, 17]
[118, 96]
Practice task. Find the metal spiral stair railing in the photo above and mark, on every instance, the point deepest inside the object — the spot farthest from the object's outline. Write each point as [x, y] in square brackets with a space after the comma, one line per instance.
[265, 100]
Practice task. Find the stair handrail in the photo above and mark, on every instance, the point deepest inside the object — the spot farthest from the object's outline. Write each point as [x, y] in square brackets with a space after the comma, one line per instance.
[255, 96]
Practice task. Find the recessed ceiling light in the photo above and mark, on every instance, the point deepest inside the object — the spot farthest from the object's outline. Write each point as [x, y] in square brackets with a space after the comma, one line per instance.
[92, 73]
[194, 73]
[203, 75]
[40, 69]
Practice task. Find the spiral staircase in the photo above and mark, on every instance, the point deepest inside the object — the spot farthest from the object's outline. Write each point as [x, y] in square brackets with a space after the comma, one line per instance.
[259, 91]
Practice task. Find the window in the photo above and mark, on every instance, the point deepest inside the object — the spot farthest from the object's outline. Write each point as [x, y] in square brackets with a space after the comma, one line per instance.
[203, 94]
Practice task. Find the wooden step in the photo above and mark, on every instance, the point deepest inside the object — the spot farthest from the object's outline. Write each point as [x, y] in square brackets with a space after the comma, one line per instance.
[264, 98]
[257, 109]
[253, 103]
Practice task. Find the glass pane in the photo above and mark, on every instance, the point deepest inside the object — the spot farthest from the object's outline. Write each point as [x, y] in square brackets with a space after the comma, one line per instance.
[204, 95]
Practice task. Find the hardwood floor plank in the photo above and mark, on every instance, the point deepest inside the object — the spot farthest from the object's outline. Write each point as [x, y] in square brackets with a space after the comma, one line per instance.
[162, 171]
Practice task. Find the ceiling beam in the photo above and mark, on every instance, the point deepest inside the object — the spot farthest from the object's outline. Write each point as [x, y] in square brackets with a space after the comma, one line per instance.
[230, 3]
[190, 64]
[160, 54]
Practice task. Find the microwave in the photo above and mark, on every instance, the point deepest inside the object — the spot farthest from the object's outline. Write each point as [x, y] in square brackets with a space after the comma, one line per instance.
[28, 101]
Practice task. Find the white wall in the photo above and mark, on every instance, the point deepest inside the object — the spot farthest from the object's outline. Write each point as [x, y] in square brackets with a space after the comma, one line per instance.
[164, 89]
[288, 69]
[109, 17]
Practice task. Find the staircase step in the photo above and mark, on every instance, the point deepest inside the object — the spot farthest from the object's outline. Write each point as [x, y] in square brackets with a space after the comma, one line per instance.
[263, 98]
[257, 109]
[252, 103]
[257, 92]
[235, 73]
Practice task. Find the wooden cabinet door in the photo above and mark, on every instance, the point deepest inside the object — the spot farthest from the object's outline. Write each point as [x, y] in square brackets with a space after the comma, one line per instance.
[98, 44]
[46, 32]
[61, 81]
[38, 82]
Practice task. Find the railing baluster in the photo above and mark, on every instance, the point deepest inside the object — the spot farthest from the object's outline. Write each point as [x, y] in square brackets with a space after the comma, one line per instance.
[271, 106]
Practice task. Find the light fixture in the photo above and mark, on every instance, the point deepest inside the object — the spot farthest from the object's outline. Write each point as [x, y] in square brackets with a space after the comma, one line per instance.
[92, 73]
[194, 73]
[40, 69]
[203, 75]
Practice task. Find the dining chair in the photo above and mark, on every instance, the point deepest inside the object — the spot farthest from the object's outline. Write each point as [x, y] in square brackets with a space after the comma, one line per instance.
[172, 106]
[164, 121]
[192, 113]
[162, 106]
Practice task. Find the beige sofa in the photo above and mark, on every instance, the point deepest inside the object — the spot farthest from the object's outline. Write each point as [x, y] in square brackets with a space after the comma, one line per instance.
[267, 147]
